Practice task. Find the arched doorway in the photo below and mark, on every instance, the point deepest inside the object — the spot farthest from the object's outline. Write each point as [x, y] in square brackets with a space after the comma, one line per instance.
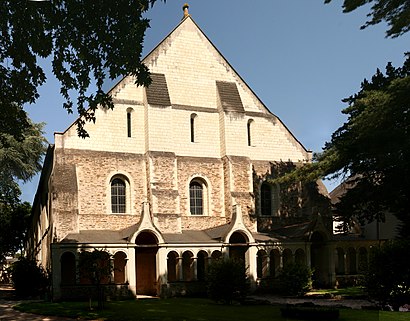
[146, 263]
[319, 259]
[238, 246]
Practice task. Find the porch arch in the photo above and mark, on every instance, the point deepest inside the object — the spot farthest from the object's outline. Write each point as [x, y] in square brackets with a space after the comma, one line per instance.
[146, 263]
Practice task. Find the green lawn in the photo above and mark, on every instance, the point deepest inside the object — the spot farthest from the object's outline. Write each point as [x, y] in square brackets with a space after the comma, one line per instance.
[354, 291]
[180, 309]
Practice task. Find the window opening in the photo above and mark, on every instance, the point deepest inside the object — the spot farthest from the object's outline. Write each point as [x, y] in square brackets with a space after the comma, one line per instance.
[196, 198]
[118, 199]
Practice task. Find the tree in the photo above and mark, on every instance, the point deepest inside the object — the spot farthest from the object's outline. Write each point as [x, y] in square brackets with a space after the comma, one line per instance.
[388, 277]
[29, 278]
[227, 280]
[21, 151]
[395, 12]
[295, 279]
[95, 268]
[87, 41]
[372, 149]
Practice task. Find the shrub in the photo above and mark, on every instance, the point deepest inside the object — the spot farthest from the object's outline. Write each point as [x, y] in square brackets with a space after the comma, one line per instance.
[388, 277]
[227, 280]
[295, 279]
[29, 278]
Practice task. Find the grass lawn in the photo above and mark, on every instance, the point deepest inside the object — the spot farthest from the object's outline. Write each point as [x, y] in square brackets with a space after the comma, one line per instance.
[354, 291]
[180, 309]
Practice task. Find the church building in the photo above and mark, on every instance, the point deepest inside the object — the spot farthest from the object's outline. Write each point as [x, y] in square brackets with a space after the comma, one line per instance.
[177, 175]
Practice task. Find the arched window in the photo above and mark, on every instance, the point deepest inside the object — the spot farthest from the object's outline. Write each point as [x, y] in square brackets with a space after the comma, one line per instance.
[128, 124]
[261, 264]
[363, 264]
[287, 257]
[201, 265]
[118, 196]
[187, 266]
[216, 255]
[274, 261]
[266, 199]
[249, 131]
[351, 256]
[120, 261]
[68, 268]
[198, 197]
[172, 266]
[270, 199]
[192, 124]
[300, 256]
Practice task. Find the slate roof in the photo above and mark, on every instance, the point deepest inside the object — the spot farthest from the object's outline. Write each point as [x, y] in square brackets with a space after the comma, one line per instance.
[95, 237]
[229, 96]
[157, 91]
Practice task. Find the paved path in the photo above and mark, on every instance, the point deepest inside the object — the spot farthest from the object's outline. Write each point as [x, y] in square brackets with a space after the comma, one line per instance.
[7, 313]
[348, 303]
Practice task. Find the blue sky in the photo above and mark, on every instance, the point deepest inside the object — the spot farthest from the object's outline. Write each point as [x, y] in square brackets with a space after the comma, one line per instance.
[300, 57]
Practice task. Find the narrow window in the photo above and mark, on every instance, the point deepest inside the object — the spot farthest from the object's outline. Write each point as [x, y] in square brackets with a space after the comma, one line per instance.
[129, 124]
[118, 198]
[196, 198]
[250, 121]
[266, 199]
[193, 116]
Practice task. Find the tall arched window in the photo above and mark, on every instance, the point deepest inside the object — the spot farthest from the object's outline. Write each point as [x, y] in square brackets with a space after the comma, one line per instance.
[192, 124]
[118, 196]
[197, 197]
[266, 199]
[249, 131]
[129, 121]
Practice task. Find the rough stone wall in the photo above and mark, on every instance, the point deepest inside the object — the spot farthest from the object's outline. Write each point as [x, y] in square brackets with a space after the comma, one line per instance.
[210, 171]
[81, 189]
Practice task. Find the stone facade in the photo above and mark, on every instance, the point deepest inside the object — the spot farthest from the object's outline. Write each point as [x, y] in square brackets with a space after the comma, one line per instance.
[197, 129]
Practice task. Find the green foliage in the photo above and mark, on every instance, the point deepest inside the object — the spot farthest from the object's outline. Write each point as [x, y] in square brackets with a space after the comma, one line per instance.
[13, 228]
[395, 12]
[21, 151]
[227, 280]
[295, 279]
[95, 266]
[388, 276]
[87, 41]
[373, 149]
[29, 278]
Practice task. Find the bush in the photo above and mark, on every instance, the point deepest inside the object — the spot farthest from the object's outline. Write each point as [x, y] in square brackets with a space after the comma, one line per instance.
[227, 280]
[388, 277]
[29, 278]
[295, 279]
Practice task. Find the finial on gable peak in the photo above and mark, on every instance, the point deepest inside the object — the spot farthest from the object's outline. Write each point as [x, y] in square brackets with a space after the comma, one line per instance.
[185, 9]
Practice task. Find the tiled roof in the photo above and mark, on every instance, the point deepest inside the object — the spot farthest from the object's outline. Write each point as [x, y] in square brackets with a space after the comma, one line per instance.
[94, 237]
[229, 96]
[157, 91]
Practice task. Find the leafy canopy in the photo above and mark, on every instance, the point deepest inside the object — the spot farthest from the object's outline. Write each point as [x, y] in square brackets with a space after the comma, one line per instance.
[21, 151]
[87, 41]
[395, 12]
[373, 149]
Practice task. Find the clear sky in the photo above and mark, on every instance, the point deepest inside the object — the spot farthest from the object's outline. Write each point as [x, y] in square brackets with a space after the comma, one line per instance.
[300, 57]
